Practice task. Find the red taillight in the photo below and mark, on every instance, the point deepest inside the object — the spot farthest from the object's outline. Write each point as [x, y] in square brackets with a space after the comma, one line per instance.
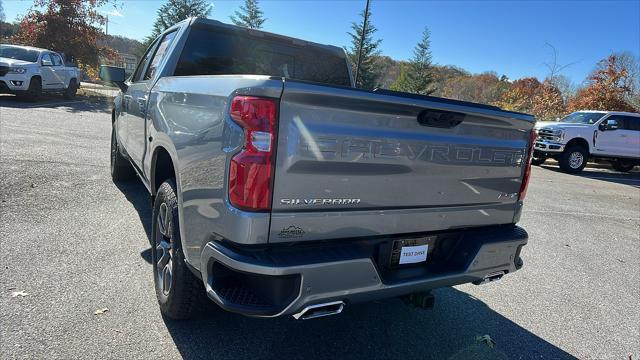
[527, 169]
[252, 168]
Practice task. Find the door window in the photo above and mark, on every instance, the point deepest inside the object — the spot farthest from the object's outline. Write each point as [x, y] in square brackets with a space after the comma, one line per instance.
[46, 60]
[137, 75]
[159, 55]
[57, 60]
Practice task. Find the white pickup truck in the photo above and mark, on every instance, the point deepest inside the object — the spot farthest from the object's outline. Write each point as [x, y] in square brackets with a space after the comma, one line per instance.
[572, 141]
[29, 72]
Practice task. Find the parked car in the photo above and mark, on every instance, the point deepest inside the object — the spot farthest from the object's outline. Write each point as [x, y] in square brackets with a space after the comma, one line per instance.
[30, 72]
[609, 135]
[280, 189]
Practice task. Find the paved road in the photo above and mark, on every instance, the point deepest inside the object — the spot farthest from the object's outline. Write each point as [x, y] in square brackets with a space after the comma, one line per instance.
[75, 243]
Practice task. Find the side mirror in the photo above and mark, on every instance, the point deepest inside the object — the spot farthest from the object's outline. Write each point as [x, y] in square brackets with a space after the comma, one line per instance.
[113, 74]
[609, 125]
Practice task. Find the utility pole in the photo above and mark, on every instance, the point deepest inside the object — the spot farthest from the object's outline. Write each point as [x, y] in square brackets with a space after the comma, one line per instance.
[106, 31]
[364, 33]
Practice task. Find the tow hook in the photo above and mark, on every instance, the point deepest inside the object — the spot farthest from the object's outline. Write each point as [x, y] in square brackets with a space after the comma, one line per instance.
[422, 300]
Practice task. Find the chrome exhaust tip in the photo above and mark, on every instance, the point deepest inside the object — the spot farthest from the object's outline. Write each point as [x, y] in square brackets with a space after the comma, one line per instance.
[320, 310]
[494, 276]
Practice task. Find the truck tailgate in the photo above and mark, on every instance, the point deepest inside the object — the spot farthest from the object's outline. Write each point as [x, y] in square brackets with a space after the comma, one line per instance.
[358, 163]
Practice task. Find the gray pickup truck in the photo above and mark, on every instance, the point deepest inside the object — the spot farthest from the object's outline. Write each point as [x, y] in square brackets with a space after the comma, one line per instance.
[280, 189]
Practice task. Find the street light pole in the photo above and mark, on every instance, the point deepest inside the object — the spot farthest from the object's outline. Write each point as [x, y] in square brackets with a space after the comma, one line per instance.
[364, 33]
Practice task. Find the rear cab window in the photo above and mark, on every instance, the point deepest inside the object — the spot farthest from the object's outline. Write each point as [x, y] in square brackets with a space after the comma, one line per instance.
[218, 51]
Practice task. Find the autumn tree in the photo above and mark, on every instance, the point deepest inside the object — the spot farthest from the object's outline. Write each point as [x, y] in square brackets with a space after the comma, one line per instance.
[369, 72]
[72, 27]
[174, 11]
[607, 89]
[520, 95]
[548, 102]
[249, 15]
[485, 88]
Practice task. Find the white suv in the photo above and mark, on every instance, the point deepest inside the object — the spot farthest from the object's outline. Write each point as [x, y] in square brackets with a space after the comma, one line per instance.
[30, 71]
[610, 135]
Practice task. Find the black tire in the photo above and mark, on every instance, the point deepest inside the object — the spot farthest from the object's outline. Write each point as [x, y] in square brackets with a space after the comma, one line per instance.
[121, 169]
[538, 159]
[71, 90]
[180, 294]
[573, 159]
[623, 165]
[35, 89]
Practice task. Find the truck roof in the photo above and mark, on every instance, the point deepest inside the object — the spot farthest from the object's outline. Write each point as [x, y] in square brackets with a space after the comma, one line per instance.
[28, 47]
[609, 112]
[215, 23]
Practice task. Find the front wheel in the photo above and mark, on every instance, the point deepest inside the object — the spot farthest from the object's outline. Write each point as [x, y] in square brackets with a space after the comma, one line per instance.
[120, 168]
[180, 294]
[623, 165]
[35, 89]
[573, 159]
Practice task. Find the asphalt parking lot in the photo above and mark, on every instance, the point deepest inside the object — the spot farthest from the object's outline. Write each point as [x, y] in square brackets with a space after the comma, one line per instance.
[72, 243]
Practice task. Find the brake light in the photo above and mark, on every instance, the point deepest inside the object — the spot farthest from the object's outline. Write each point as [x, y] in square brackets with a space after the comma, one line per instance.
[251, 170]
[527, 170]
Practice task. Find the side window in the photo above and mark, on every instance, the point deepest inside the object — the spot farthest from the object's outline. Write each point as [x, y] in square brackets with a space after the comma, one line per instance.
[46, 60]
[632, 123]
[137, 75]
[57, 61]
[622, 123]
[159, 55]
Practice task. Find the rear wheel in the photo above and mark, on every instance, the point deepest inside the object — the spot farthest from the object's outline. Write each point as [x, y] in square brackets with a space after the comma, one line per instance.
[180, 294]
[71, 90]
[573, 159]
[623, 165]
[120, 168]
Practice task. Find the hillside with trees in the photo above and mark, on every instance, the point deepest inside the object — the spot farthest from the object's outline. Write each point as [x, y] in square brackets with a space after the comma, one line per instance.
[76, 28]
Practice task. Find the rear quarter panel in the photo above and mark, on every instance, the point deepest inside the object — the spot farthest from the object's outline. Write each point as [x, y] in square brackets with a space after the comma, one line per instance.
[188, 117]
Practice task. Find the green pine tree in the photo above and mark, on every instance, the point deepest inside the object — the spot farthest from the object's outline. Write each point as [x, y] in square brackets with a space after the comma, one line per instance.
[2, 16]
[422, 81]
[249, 15]
[417, 76]
[369, 72]
[174, 11]
[402, 82]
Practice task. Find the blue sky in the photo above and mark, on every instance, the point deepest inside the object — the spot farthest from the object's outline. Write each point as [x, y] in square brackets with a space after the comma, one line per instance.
[504, 36]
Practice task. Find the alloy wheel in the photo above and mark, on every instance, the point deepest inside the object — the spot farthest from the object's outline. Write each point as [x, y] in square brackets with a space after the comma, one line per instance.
[164, 250]
[576, 159]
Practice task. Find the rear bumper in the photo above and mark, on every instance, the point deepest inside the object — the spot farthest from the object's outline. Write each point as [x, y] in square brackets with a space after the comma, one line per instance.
[282, 281]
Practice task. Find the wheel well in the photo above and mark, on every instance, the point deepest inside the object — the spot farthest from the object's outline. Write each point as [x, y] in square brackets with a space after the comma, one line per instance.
[162, 169]
[37, 77]
[579, 142]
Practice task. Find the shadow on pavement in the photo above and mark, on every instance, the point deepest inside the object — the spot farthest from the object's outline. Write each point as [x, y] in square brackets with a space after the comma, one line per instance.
[79, 104]
[139, 197]
[383, 329]
[631, 178]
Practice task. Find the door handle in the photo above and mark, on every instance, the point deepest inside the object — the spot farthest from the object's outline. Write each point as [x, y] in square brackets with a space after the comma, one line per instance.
[142, 104]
